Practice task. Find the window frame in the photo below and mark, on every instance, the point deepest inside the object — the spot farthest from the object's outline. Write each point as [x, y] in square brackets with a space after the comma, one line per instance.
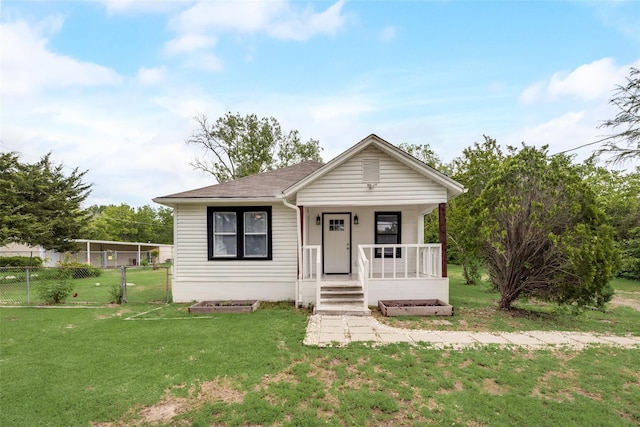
[378, 251]
[240, 232]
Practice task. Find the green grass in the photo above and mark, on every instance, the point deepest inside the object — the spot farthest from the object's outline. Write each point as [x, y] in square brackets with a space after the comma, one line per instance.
[74, 367]
[476, 309]
[146, 285]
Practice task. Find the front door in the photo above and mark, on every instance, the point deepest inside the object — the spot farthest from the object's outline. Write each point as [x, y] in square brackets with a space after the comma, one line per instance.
[336, 235]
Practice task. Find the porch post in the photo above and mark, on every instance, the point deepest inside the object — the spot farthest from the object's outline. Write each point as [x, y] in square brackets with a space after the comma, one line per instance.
[442, 234]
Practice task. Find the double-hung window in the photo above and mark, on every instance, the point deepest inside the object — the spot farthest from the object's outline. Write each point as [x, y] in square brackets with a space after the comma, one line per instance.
[239, 233]
[388, 232]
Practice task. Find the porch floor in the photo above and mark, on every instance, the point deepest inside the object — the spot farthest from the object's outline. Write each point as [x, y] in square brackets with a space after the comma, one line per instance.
[354, 277]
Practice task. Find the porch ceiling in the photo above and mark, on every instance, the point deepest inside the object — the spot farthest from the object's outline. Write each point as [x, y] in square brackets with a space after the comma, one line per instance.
[422, 207]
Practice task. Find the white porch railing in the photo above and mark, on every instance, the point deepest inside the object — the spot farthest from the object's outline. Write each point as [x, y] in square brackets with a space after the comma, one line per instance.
[403, 261]
[400, 262]
[363, 273]
[312, 265]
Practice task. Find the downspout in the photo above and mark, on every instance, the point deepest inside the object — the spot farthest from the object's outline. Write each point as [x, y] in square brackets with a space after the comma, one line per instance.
[299, 249]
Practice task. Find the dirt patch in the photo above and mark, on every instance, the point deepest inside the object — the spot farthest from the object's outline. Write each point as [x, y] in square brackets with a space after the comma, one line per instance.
[220, 390]
[489, 385]
[465, 364]
[170, 406]
[566, 356]
[164, 411]
[118, 313]
[544, 390]
[626, 299]
[457, 387]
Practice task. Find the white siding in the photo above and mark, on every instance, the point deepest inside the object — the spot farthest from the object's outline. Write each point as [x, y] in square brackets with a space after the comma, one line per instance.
[398, 184]
[197, 278]
[408, 289]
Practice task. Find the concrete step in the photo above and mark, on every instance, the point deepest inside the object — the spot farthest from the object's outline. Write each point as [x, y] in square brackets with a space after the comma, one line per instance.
[342, 310]
[355, 294]
[347, 301]
[340, 288]
[340, 285]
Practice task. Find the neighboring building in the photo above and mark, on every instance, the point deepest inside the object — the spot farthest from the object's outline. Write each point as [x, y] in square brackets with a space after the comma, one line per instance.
[99, 253]
[339, 236]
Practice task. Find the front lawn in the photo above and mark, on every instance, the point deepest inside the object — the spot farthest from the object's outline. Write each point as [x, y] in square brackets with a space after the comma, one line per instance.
[90, 366]
[476, 309]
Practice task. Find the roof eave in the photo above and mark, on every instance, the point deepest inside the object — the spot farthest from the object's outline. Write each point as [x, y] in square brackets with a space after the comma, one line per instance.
[172, 201]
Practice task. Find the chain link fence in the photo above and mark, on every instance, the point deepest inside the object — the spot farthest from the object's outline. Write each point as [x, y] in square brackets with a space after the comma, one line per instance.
[84, 285]
[146, 284]
[100, 259]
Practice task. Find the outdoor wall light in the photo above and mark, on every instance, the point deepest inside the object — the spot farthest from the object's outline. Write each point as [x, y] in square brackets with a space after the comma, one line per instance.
[355, 220]
[318, 220]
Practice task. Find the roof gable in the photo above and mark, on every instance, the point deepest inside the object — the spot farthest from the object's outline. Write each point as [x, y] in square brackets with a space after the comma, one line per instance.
[453, 187]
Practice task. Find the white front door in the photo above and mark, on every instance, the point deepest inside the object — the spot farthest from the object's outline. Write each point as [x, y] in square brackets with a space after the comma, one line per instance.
[336, 235]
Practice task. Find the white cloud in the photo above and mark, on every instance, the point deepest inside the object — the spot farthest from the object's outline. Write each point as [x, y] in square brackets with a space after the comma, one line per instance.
[565, 132]
[278, 19]
[302, 25]
[587, 82]
[151, 76]
[143, 6]
[188, 43]
[27, 73]
[211, 63]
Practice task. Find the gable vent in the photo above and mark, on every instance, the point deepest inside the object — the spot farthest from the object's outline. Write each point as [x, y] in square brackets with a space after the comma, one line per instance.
[371, 170]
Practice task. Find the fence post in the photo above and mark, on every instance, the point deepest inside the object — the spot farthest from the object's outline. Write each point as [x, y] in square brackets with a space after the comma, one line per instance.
[123, 285]
[27, 285]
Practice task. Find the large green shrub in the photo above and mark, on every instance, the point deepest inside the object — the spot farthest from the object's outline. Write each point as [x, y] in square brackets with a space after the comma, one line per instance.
[543, 233]
[20, 261]
[80, 271]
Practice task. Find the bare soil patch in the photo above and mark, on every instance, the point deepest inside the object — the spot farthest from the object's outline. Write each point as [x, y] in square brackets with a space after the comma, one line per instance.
[490, 386]
[171, 406]
[626, 299]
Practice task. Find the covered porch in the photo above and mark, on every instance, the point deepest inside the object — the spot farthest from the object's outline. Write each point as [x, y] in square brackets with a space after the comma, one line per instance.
[344, 268]
[361, 216]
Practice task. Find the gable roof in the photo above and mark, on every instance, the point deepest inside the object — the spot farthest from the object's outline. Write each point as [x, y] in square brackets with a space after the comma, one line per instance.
[285, 182]
[453, 187]
[264, 185]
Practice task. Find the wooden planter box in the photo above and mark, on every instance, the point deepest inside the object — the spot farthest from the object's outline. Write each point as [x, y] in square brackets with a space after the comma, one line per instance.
[232, 306]
[415, 307]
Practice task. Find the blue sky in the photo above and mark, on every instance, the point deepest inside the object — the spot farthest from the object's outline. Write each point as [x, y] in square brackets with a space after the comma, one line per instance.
[112, 86]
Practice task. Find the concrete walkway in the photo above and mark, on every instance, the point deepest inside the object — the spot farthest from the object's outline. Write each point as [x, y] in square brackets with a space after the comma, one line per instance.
[328, 331]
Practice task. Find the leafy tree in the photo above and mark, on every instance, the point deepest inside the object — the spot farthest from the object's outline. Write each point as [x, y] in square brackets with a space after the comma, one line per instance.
[625, 142]
[163, 226]
[425, 154]
[114, 223]
[542, 232]
[618, 194]
[128, 224]
[473, 169]
[236, 146]
[41, 205]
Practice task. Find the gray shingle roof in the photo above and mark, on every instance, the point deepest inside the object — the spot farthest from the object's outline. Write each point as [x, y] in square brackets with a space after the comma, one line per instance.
[263, 185]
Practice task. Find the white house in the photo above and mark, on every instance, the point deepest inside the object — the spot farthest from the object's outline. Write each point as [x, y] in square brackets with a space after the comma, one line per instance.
[340, 235]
